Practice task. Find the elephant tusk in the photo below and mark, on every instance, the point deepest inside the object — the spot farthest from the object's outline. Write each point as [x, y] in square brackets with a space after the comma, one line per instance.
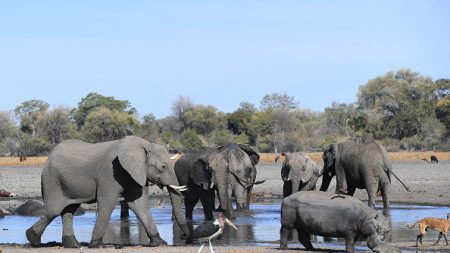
[212, 185]
[173, 157]
[289, 179]
[230, 223]
[177, 187]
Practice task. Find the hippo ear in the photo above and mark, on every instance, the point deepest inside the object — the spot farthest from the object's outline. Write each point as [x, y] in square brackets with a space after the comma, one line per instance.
[132, 156]
[254, 157]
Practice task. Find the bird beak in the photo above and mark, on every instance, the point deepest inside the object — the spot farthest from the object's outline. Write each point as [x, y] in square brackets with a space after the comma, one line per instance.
[230, 223]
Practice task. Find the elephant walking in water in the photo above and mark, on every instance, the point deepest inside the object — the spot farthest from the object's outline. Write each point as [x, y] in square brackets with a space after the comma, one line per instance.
[78, 172]
[229, 170]
[363, 166]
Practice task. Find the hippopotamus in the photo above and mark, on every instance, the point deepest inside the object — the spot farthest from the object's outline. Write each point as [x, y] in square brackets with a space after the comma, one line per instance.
[331, 215]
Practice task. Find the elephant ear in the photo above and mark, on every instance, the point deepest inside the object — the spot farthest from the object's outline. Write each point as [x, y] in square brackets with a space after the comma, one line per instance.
[200, 173]
[254, 157]
[132, 156]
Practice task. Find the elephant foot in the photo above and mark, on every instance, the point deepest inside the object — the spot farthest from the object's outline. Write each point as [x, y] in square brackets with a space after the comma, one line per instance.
[33, 237]
[97, 243]
[69, 241]
[284, 248]
[156, 241]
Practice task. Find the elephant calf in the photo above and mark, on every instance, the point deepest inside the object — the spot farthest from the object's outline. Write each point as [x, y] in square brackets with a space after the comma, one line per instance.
[299, 173]
[330, 215]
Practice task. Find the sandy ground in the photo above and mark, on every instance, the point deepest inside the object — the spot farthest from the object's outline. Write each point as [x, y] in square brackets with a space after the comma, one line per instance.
[429, 184]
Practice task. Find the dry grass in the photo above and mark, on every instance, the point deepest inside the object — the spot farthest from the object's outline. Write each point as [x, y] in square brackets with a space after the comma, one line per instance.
[15, 161]
[395, 156]
[265, 158]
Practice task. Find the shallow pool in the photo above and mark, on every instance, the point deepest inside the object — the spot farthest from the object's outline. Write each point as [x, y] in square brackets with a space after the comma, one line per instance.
[259, 226]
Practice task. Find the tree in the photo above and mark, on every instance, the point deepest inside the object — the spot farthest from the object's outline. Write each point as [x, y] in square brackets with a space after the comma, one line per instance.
[8, 131]
[203, 119]
[180, 107]
[149, 129]
[7, 126]
[190, 140]
[106, 125]
[29, 112]
[56, 126]
[279, 107]
[405, 100]
[94, 101]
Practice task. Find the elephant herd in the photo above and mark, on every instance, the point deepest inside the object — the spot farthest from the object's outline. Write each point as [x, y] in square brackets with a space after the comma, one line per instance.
[77, 172]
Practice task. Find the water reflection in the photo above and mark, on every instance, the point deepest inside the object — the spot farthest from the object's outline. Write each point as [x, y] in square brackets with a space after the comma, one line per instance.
[260, 226]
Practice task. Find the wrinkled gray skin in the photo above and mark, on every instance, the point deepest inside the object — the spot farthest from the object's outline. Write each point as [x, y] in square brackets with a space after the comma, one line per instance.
[242, 159]
[36, 208]
[229, 170]
[299, 173]
[204, 172]
[78, 172]
[362, 166]
[330, 215]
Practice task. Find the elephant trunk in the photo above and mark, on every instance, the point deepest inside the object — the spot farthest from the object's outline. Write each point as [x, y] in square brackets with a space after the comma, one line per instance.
[295, 185]
[224, 199]
[176, 199]
[326, 179]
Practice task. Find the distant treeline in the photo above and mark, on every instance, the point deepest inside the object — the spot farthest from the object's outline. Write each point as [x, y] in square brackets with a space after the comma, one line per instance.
[403, 110]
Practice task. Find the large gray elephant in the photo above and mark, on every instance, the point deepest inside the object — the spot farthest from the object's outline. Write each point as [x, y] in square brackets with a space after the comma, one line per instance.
[78, 172]
[363, 166]
[330, 215]
[299, 173]
[242, 160]
[229, 170]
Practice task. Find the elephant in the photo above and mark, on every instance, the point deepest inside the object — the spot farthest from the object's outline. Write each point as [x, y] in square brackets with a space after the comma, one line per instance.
[242, 159]
[330, 215]
[229, 170]
[78, 172]
[362, 166]
[299, 173]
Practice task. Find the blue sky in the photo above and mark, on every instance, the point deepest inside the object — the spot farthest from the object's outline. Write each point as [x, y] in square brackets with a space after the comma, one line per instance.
[218, 53]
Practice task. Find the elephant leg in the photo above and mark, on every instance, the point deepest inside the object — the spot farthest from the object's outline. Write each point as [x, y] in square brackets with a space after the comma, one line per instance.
[105, 208]
[284, 234]
[305, 239]
[68, 236]
[124, 209]
[35, 232]
[351, 191]
[385, 191]
[371, 189]
[50, 212]
[140, 207]
[190, 200]
[207, 199]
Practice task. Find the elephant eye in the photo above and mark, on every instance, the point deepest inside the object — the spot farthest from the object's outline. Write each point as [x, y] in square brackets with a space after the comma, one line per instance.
[163, 166]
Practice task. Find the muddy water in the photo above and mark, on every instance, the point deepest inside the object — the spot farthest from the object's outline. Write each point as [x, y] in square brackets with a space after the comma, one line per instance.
[260, 226]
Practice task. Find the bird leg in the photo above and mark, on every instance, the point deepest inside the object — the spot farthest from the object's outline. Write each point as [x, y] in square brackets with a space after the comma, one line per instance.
[201, 247]
[210, 247]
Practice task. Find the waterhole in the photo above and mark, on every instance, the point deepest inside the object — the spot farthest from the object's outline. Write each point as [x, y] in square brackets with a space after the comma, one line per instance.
[259, 226]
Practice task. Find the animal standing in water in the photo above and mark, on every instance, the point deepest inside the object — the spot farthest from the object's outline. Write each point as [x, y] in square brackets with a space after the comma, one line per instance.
[440, 225]
[210, 230]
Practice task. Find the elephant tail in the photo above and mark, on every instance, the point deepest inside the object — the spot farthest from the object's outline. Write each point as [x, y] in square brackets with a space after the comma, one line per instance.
[388, 169]
[387, 166]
